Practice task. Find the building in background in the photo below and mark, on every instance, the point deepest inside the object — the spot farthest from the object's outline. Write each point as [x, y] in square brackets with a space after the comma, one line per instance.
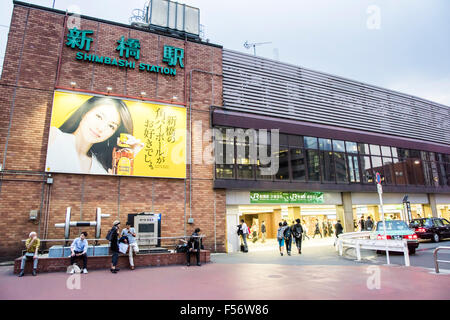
[151, 152]
[158, 82]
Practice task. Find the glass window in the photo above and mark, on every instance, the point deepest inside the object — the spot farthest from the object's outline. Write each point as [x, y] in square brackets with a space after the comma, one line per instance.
[438, 223]
[377, 166]
[399, 172]
[245, 159]
[283, 139]
[363, 148]
[394, 152]
[341, 167]
[414, 154]
[283, 160]
[352, 147]
[224, 171]
[366, 169]
[264, 139]
[298, 164]
[325, 144]
[312, 157]
[338, 146]
[310, 142]
[353, 168]
[262, 171]
[388, 169]
[224, 156]
[375, 150]
[403, 153]
[295, 141]
[386, 151]
[327, 166]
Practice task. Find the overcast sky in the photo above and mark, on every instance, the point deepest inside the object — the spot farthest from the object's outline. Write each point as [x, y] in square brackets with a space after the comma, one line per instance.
[402, 45]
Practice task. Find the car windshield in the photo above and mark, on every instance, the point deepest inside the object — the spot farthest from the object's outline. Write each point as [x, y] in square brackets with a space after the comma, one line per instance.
[393, 225]
[421, 223]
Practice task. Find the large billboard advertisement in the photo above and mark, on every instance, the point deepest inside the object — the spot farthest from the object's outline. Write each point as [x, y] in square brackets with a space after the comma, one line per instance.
[111, 136]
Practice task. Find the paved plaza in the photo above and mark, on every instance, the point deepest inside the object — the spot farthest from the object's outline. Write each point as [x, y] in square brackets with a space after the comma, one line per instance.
[319, 273]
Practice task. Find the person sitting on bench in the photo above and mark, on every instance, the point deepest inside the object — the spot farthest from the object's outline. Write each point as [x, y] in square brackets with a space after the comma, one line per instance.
[32, 244]
[194, 243]
[79, 250]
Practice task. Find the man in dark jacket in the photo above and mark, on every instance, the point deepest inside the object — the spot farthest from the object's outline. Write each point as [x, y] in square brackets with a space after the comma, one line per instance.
[338, 227]
[114, 246]
[369, 224]
[194, 245]
[297, 231]
[287, 237]
[263, 232]
[361, 223]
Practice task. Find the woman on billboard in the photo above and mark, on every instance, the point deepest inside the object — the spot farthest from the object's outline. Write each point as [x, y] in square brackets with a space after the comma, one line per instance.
[85, 142]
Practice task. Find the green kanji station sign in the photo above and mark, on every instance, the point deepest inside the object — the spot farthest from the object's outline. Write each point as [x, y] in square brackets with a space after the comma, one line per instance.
[127, 49]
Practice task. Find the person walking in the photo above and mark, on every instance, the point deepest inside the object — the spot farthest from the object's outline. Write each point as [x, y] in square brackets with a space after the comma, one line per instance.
[305, 230]
[297, 231]
[244, 235]
[263, 232]
[324, 229]
[130, 233]
[369, 224]
[114, 246]
[361, 224]
[339, 229]
[32, 247]
[317, 230]
[280, 237]
[287, 237]
[330, 229]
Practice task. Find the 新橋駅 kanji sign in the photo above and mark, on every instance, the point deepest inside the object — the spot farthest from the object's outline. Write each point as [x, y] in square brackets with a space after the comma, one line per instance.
[127, 49]
[286, 197]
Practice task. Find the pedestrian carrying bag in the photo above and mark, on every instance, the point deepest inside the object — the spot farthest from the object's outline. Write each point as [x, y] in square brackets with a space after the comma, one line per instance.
[109, 235]
[287, 233]
[123, 247]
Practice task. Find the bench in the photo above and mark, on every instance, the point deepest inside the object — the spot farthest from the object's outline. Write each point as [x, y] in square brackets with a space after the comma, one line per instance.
[46, 264]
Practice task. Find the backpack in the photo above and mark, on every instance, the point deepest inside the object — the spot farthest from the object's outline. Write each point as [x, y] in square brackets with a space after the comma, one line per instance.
[287, 232]
[239, 230]
[109, 235]
[297, 232]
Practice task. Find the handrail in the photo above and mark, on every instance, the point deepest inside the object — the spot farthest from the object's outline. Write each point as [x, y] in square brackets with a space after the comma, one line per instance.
[359, 241]
[436, 265]
[59, 240]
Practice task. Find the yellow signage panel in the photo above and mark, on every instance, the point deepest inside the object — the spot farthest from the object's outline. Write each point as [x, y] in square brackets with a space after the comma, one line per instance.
[111, 136]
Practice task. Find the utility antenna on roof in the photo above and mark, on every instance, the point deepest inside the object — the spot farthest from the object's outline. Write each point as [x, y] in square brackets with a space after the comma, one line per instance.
[249, 45]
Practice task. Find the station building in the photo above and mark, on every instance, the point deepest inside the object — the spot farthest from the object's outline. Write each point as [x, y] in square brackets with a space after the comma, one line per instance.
[335, 134]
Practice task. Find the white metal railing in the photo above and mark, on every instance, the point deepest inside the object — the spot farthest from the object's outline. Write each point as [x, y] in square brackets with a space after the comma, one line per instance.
[360, 240]
[436, 265]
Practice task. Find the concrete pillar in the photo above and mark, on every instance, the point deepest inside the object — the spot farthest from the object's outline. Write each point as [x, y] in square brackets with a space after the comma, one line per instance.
[345, 212]
[430, 209]
[293, 213]
[276, 219]
[232, 244]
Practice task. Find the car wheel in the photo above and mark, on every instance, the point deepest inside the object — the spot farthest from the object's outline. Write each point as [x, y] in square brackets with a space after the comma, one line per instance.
[435, 237]
[412, 250]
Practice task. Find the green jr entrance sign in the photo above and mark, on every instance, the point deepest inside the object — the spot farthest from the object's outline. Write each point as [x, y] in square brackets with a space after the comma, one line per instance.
[286, 197]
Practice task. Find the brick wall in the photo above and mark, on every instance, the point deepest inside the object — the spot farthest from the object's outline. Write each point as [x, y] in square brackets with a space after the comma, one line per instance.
[28, 82]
